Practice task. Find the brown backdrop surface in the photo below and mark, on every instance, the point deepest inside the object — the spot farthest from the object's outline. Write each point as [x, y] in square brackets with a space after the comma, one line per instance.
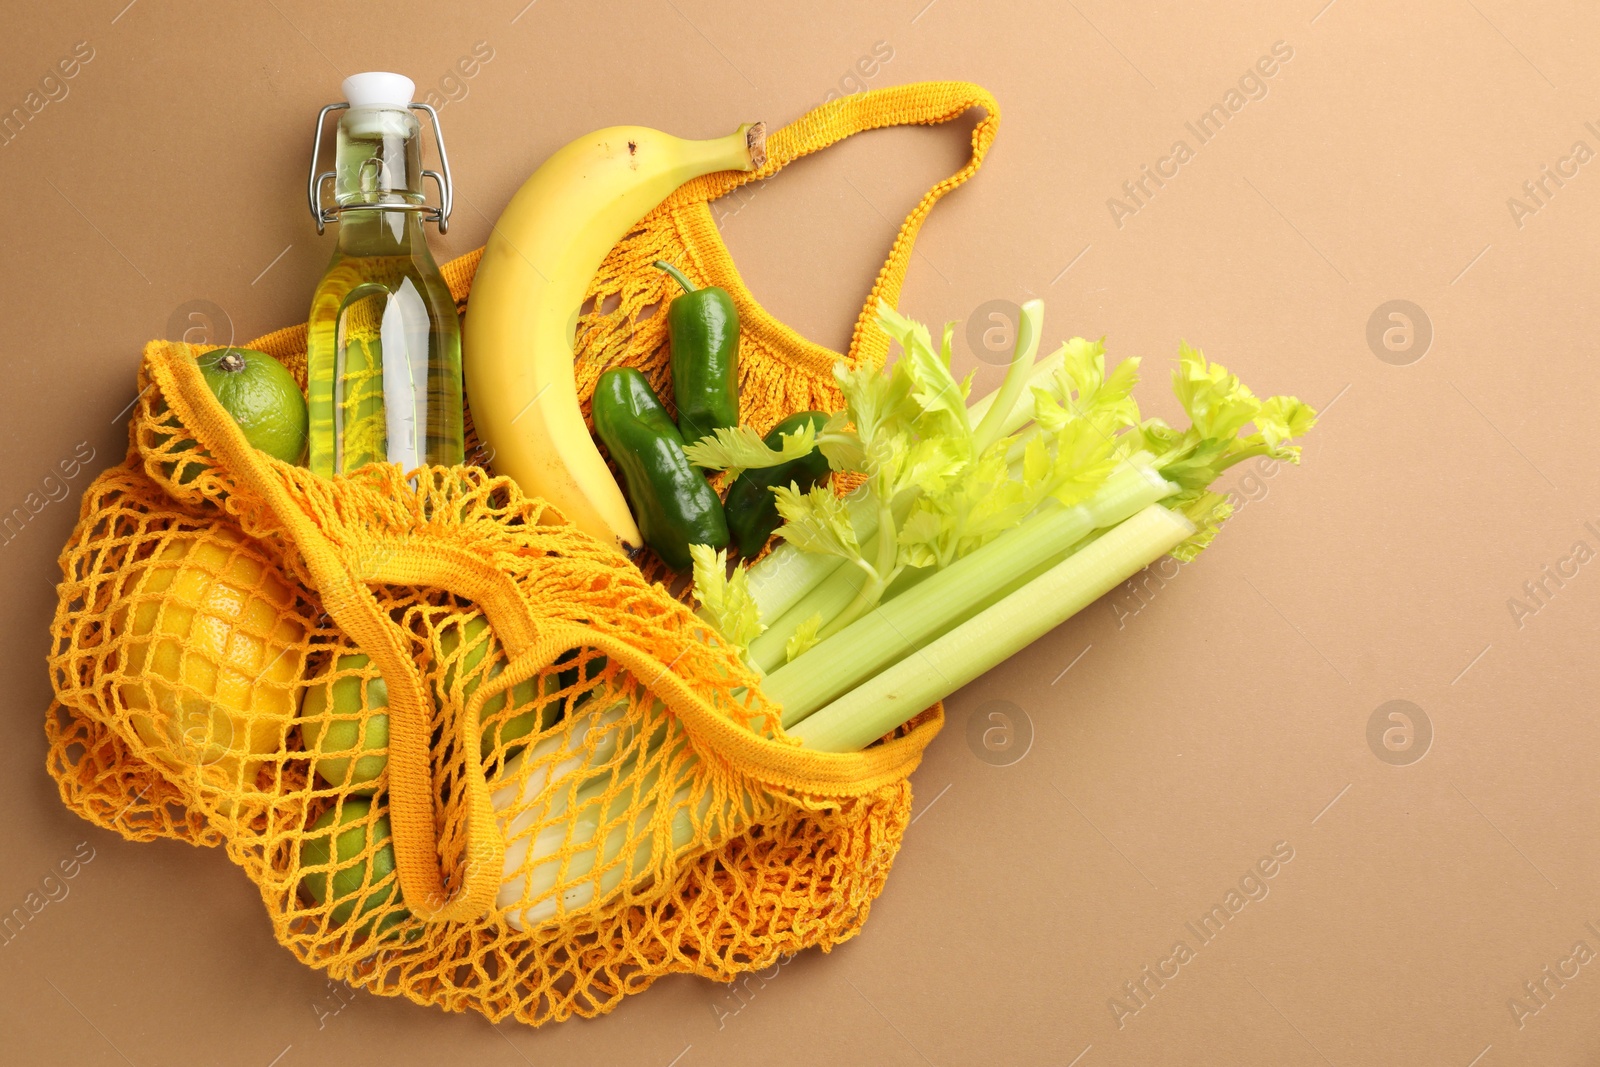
[1149, 754]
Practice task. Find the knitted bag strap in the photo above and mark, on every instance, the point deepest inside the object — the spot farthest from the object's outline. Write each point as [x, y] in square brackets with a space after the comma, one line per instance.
[916, 104]
[347, 598]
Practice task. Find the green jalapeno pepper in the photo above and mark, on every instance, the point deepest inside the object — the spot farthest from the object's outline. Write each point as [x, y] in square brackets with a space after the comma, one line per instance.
[751, 508]
[672, 502]
[704, 329]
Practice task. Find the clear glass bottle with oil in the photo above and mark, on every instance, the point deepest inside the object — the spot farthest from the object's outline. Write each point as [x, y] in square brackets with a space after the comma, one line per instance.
[383, 358]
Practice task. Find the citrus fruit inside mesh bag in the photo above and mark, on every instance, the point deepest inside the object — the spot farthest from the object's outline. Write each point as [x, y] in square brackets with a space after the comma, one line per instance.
[263, 398]
[348, 860]
[350, 746]
[464, 645]
[211, 655]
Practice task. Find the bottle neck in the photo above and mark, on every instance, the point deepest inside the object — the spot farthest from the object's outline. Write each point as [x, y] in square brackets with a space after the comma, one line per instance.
[378, 158]
[382, 233]
[379, 161]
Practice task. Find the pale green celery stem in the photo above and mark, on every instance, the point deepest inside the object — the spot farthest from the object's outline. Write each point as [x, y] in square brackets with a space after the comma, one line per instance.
[894, 696]
[992, 427]
[884, 572]
[786, 574]
[909, 578]
[601, 829]
[913, 576]
[581, 824]
[782, 578]
[1021, 413]
[828, 598]
[900, 626]
[564, 797]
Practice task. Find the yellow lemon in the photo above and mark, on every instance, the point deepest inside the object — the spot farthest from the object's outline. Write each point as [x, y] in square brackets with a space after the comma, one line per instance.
[211, 656]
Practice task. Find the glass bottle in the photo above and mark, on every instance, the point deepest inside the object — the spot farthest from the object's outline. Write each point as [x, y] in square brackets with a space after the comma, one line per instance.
[383, 358]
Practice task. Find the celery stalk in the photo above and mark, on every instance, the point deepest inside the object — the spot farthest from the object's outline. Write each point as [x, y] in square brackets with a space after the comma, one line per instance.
[900, 626]
[597, 824]
[782, 578]
[607, 852]
[828, 597]
[980, 644]
[598, 827]
[991, 427]
[1021, 412]
[601, 831]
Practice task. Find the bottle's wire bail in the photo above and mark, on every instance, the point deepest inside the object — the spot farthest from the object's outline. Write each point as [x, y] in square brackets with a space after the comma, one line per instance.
[324, 215]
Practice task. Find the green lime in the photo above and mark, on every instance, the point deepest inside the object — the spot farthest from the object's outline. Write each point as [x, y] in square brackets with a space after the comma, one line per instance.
[357, 880]
[261, 395]
[349, 748]
[497, 728]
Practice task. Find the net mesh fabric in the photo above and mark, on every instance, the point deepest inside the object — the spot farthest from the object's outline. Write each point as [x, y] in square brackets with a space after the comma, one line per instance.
[583, 789]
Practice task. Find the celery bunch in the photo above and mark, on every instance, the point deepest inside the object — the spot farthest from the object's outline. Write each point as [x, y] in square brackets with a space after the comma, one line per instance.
[957, 511]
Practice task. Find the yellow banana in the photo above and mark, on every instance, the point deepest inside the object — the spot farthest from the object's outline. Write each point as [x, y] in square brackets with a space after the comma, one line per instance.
[518, 334]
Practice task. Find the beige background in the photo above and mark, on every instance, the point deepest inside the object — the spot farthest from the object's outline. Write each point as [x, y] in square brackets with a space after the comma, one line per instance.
[1228, 714]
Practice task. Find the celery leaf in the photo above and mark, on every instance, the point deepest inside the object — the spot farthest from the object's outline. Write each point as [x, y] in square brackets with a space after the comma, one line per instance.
[1220, 408]
[726, 602]
[942, 399]
[805, 636]
[817, 521]
[739, 448]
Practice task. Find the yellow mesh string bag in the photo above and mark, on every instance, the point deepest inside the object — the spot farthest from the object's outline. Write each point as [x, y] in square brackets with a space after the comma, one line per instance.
[469, 754]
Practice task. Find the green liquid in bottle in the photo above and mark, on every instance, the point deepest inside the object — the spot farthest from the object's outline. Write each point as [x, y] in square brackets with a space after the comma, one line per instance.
[383, 362]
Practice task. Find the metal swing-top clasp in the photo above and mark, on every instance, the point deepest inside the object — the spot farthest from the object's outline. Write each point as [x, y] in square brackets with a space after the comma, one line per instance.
[326, 214]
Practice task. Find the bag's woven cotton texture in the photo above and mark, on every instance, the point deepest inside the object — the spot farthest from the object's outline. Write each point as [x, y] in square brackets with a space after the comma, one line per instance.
[207, 588]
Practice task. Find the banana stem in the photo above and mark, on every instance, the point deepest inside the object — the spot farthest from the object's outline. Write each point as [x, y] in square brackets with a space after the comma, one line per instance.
[755, 142]
[743, 149]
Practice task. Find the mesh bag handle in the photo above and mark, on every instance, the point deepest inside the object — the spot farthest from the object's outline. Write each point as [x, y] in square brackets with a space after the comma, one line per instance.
[915, 104]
